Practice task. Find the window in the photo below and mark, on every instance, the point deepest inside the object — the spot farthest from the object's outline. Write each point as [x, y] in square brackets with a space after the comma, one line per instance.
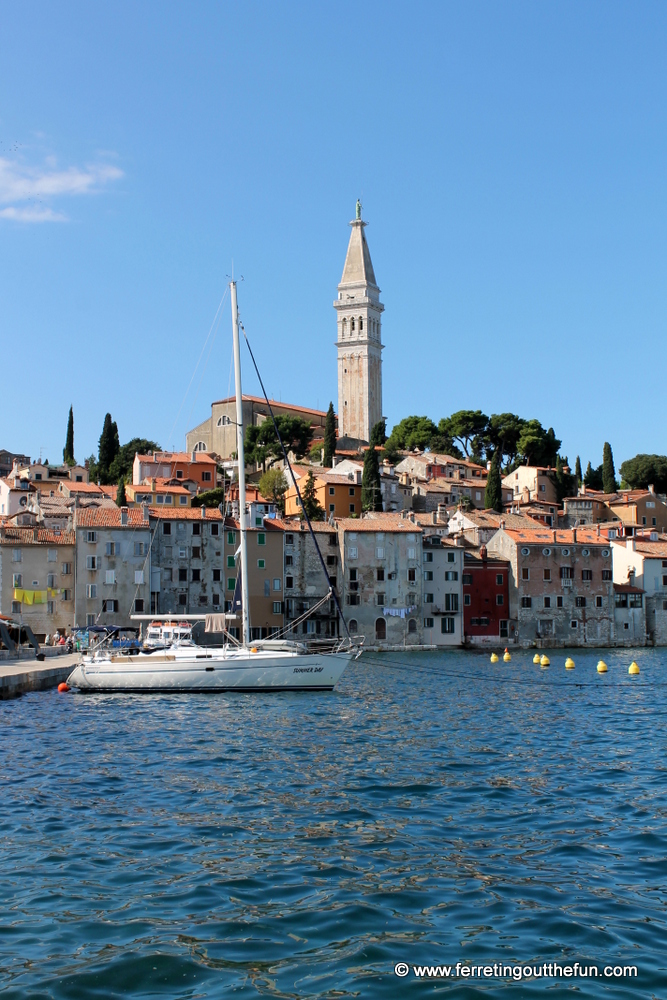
[451, 602]
[182, 600]
[352, 599]
[379, 600]
[215, 598]
[332, 508]
[352, 552]
[110, 548]
[168, 574]
[499, 580]
[231, 562]
[451, 574]
[66, 569]
[379, 575]
[379, 553]
[547, 602]
[504, 632]
[196, 575]
[644, 519]
[559, 602]
[138, 577]
[91, 590]
[525, 574]
[289, 560]
[91, 562]
[215, 529]
[139, 606]
[412, 625]
[277, 583]
[412, 553]
[574, 624]
[380, 628]
[351, 491]
[66, 595]
[466, 599]
[18, 580]
[598, 602]
[332, 491]
[91, 536]
[267, 588]
[224, 420]
[261, 538]
[231, 538]
[353, 626]
[412, 576]
[206, 477]
[166, 528]
[261, 564]
[451, 557]
[428, 623]
[567, 573]
[277, 607]
[653, 521]
[111, 607]
[139, 549]
[500, 599]
[547, 575]
[289, 539]
[52, 555]
[428, 574]
[448, 626]
[581, 602]
[352, 511]
[289, 582]
[428, 557]
[90, 619]
[467, 579]
[196, 529]
[353, 575]
[587, 574]
[231, 583]
[182, 574]
[110, 576]
[635, 601]
[526, 602]
[664, 581]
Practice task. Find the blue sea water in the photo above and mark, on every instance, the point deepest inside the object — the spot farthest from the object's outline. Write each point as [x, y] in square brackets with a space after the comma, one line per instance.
[435, 809]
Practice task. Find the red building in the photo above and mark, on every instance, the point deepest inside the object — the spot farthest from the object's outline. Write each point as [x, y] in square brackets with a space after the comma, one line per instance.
[486, 598]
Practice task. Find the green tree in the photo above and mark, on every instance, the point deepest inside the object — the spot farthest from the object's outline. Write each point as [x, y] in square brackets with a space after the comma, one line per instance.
[537, 446]
[464, 427]
[593, 477]
[311, 505]
[493, 496]
[68, 450]
[121, 499]
[410, 433]
[109, 447]
[371, 489]
[378, 434]
[566, 483]
[121, 466]
[273, 487]
[262, 446]
[502, 435]
[577, 471]
[93, 468]
[643, 471]
[209, 498]
[329, 437]
[608, 472]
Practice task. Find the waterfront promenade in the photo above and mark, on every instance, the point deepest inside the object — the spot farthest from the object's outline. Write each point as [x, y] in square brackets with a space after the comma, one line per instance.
[29, 674]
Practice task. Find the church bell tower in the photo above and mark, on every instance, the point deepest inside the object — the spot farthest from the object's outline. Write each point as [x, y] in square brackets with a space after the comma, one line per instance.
[359, 340]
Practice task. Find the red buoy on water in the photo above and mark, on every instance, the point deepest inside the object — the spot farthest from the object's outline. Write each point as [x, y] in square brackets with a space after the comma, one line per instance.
[63, 687]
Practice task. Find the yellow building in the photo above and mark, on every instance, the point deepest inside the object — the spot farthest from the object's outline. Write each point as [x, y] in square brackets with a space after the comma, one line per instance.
[337, 494]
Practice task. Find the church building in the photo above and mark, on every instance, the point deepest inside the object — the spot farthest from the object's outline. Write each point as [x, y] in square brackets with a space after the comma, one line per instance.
[359, 342]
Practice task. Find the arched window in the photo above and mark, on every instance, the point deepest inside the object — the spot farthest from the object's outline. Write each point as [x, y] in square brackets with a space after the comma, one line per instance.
[361, 323]
[412, 625]
[344, 327]
[380, 628]
[352, 325]
[223, 421]
[353, 627]
[200, 446]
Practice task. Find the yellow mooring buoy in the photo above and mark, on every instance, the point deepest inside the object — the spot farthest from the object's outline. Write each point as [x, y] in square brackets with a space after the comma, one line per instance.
[536, 658]
[494, 657]
[544, 660]
[602, 667]
[507, 656]
[633, 668]
[569, 663]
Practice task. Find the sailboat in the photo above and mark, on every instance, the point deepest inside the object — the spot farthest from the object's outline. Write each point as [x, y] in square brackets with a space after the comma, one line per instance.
[265, 665]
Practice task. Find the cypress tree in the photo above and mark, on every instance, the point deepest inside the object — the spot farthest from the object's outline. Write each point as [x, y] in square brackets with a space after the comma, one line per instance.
[378, 434]
[608, 471]
[108, 448]
[493, 496]
[577, 471]
[371, 489]
[68, 450]
[311, 505]
[329, 437]
[121, 499]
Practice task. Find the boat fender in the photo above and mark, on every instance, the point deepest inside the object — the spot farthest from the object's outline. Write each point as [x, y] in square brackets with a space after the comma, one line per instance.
[63, 687]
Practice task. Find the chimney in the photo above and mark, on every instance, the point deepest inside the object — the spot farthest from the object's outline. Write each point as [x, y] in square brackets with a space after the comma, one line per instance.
[651, 488]
[123, 516]
[35, 534]
[598, 529]
[334, 461]
[145, 510]
[630, 544]
[502, 524]
[483, 553]
[574, 535]
[555, 534]
[203, 512]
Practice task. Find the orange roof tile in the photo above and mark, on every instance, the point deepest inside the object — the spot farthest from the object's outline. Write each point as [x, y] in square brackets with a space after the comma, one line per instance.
[186, 513]
[108, 517]
[45, 536]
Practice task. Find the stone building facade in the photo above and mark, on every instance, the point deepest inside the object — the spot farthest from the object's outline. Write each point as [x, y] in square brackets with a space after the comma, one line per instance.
[37, 578]
[359, 317]
[442, 595]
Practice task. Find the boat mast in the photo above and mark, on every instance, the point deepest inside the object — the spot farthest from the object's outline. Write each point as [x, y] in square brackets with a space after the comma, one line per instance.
[245, 601]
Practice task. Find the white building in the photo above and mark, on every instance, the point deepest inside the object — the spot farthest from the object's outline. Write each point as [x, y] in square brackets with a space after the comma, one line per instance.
[359, 340]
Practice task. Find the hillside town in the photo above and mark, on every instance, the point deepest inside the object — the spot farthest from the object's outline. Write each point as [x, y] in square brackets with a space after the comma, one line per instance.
[473, 532]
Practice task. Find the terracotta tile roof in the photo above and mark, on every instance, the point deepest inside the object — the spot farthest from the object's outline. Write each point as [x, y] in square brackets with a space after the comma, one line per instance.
[379, 522]
[109, 517]
[625, 588]
[186, 513]
[654, 550]
[70, 487]
[110, 491]
[273, 402]
[297, 526]
[332, 479]
[147, 485]
[177, 457]
[568, 536]
[45, 536]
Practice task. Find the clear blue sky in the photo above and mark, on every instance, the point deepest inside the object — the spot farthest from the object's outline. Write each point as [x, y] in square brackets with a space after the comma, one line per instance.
[511, 159]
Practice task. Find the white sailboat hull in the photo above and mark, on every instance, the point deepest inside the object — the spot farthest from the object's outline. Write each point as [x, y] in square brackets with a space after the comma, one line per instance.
[196, 669]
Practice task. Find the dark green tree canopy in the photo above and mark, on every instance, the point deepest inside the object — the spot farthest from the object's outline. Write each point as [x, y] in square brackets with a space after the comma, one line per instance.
[577, 471]
[329, 437]
[412, 432]
[493, 497]
[378, 434]
[467, 428]
[566, 483]
[263, 447]
[209, 498]
[121, 499]
[109, 447]
[593, 477]
[273, 487]
[121, 466]
[68, 450]
[609, 484]
[537, 446]
[311, 505]
[371, 489]
[643, 471]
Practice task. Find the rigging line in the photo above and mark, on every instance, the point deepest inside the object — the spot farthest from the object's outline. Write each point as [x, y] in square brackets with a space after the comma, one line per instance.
[296, 485]
[197, 365]
[201, 377]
